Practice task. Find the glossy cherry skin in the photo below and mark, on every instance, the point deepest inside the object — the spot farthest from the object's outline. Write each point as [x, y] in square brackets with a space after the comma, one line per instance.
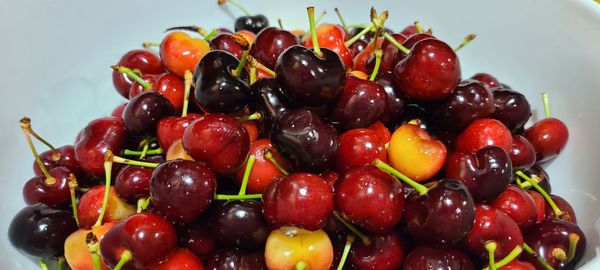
[54, 192]
[143, 60]
[180, 259]
[239, 224]
[332, 36]
[64, 157]
[95, 139]
[445, 215]
[552, 234]
[225, 42]
[390, 57]
[481, 133]
[437, 258]
[182, 189]
[563, 205]
[40, 231]
[511, 108]
[253, 24]
[517, 265]
[133, 183]
[308, 79]
[413, 39]
[486, 174]
[518, 205]
[219, 140]
[430, 72]
[359, 147]
[522, 153]
[308, 194]
[395, 99]
[217, 89]
[197, 238]
[117, 111]
[263, 171]
[362, 102]
[548, 137]
[267, 99]
[306, 141]
[232, 259]
[180, 52]
[144, 111]
[384, 252]
[540, 205]
[270, 43]
[488, 80]
[358, 46]
[171, 128]
[90, 205]
[470, 100]
[536, 171]
[361, 59]
[149, 237]
[492, 224]
[168, 85]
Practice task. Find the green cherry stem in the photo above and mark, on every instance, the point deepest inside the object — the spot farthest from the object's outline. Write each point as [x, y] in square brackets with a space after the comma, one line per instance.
[341, 18]
[308, 33]
[153, 152]
[60, 263]
[145, 149]
[142, 204]
[349, 241]
[559, 213]
[392, 40]
[72, 187]
[235, 4]
[25, 123]
[378, 55]
[186, 92]
[226, 197]
[418, 26]
[385, 167]
[491, 248]
[96, 261]
[301, 265]
[43, 264]
[93, 246]
[268, 155]
[134, 76]
[259, 66]
[251, 117]
[543, 262]
[247, 171]
[467, 40]
[546, 106]
[191, 28]
[120, 160]
[280, 23]
[359, 35]
[108, 163]
[55, 153]
[212, 34]
[150, 44]
[126, 256]
[573, 240]
[313, 31]
[252, 74]
[364, 238]
[509, 258]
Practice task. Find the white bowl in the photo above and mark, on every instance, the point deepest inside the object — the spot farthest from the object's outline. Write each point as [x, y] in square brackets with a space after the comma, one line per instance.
[57, 54]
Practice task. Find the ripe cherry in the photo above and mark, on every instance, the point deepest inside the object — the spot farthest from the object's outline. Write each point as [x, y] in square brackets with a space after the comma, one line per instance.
[484, 132]
[63, 157]
[383, 251]
[548, 137]
[437, 258]
[143, 112]
[332, 36]
[53, 191]
[492, 226]
[361, 104]
[560, 243]
[180, 52]
[234, 259]
[90, 206]
[95, 140]
[488, 80]
[395, 99]
[264, 170]
[522, 153]
[180, 259]
[511, 108]
[142, 60]
[239, 224]
[518, 205]
[133, 183]
[225, 42]
[294, 248]
[270, 43]
[359, 147]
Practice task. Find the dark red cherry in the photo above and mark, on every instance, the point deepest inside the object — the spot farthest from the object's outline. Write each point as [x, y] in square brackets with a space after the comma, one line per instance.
[390, 57]
[306, 141]
[361, 104]
[182, 189]
[395, 99]
[133, 183]
[63, 157]
[488, 80]
[445, 215]
[383, 252]
[144, 111]
[54, 192]
[270, 43]
[239, 224]
[410, 30]
[492, 225]
[548, 137]
[437, 258]
[470, 100]
[308, 194]
[253, 24]
[414, 38]
[564, 206]
[359, 147]
[538, 173]
[522, 153]
[358, 46]
[486, 174]
[518, 205]
[95, 139]
[144, 61]
[560, 243]
[232, 259]
[40, 231]
[225, 42]
[370, 198]
[267, 99]
[171, 128]
[197, 238]
[310, 79]
[511, 108]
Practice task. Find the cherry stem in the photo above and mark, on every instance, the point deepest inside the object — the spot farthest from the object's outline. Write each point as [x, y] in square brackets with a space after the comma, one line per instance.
[301, 265]
[559, 254]
[252, 74]
[247, 171]
[153, 152]
[26, 126]
[359, 35]
[126, 256]
[342, 21]
[252, 117]
[120, 160]
[96, 261]
[559, 213]
[467, 40]
[546, 106]
[378, 54]
[61, 263]
[418, 26]
[226, 197]
[93, 245]
[543, 262]
[385, 167]
[55, 153]
[240, 40]
[133, 75]
[186, 93]
[307, 33]
[72, 187]
[191, 28]
[236, 4]
[142, 204]
[108, 163]
[43, 264]
[491, 249]
[212, 34]
[253, 62]
[149, 44]
[145, 149]
[349, 241]
[280, 23]
[392, 40]
[268, 155]
[509, 258]
[364, 238]
[313, 31]
[573, 240]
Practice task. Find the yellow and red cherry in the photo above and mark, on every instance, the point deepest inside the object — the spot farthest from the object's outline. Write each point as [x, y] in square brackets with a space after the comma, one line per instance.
[77, 254]
[180, 52]
[295, 248]
[264, 170]
[333, 36]
[90, 205]
[176, 151]
[414, 153]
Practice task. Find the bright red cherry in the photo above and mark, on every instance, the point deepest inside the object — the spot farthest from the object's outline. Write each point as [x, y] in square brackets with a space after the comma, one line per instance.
[359, 147]
[264, 171]
[549, 137]
[95, 139]
[171, 128]
[90, 206]
[492, 225]
[522, 153]
[481, 133]
[383, 252]
[144, 61]
[333, 36]
[518, 205]
[180, 259]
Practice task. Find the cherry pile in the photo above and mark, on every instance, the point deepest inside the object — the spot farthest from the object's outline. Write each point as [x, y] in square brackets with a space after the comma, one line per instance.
[344, 147]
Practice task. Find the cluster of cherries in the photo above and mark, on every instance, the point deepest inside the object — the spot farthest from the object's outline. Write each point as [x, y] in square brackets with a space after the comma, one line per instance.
[346, 147]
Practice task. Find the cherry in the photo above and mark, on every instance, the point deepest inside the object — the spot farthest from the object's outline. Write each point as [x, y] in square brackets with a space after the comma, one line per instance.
[390, 57]
[40, 231]
[139, 242]
[395, 99]
[484, 132]
[294, 248]
[486, 173]
[548, 137]
[53, 191]
[90, 207]
[171, 128]
[410, 30]
[518, 205]
[118, 111]
[60, 157]
[95, 140]
[437, 258]
[306, 141]
[133, 183]
[239, 224]
[383, 252]
[81, 248]
[360, 60]
[180, 52]
[445, 215]
[182, 189]
[143, 112]
[382, 131]
[540, 205]
[180, 259]
[358, 46]
[253, 24]
[564, 206]
[332, 36]
[361, 103]
[268, 166]
[430, 72]
[517, 265]
[492, 226]
[270, 43]
[542, 178]
[511, 108]
[522, 153]
[560, 243]
[267, 99]
[470, 100]
[226, 42]
[488, 80]
[413, 39]
[308, 194]
[359, 147]
[143, 61]
[196, 237]
[233, 259]
[228, 142]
